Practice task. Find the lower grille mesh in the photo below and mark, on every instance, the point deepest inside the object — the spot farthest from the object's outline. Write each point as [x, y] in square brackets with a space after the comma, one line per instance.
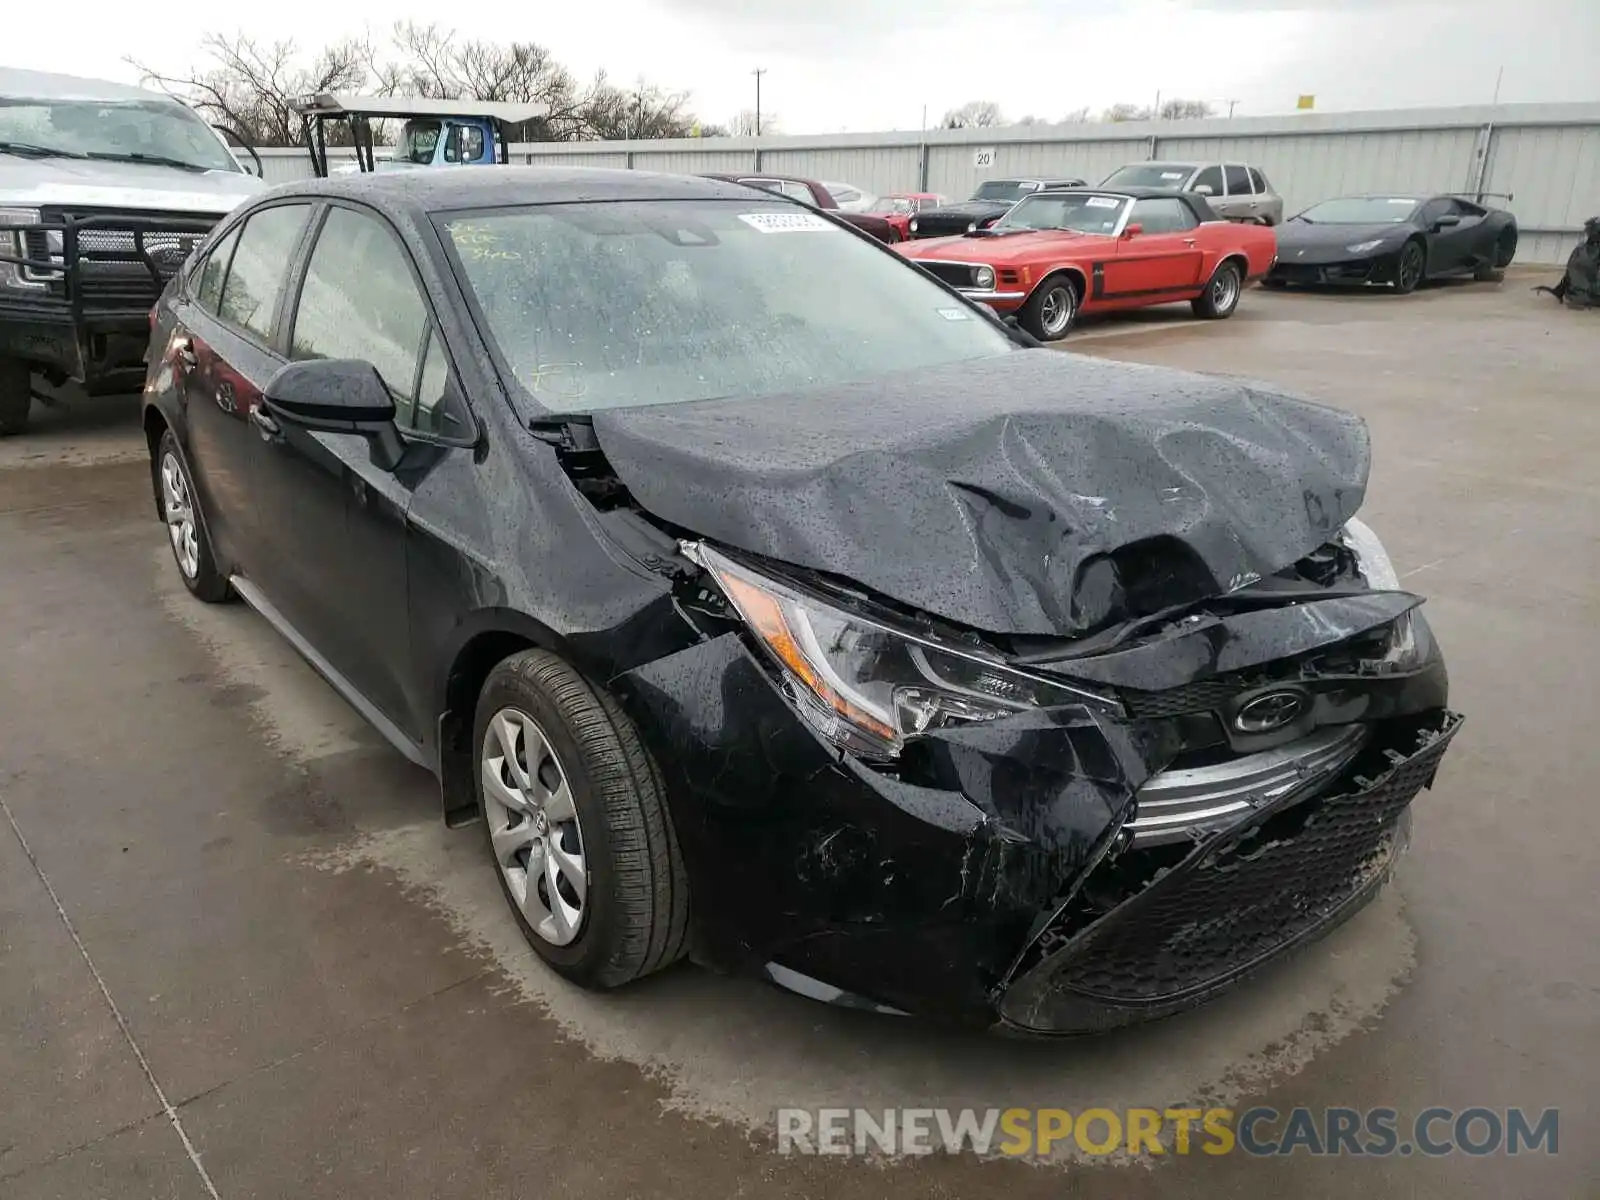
[1205, 923]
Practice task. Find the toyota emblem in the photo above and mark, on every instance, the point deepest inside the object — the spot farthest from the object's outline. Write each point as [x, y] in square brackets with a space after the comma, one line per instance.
[1269, 711]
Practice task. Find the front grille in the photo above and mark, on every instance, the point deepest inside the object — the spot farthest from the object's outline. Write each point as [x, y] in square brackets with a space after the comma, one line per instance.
[1205, 695]
[955, 274]
[114, 261]
[1213, 918]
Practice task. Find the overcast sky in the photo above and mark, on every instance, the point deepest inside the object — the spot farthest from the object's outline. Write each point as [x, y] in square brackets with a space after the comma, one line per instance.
[876, 64]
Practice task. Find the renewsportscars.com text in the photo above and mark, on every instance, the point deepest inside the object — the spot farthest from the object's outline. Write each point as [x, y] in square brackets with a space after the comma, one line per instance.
[1022, 1132]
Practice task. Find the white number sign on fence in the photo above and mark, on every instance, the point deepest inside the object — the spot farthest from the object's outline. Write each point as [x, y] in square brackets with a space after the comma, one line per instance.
[983, 158]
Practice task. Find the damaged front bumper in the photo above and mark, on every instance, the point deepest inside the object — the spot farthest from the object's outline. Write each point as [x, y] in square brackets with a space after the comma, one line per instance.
[1062, 870]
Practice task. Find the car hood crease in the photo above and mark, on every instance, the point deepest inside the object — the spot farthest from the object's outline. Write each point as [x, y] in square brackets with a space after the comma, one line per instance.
[1031, 493]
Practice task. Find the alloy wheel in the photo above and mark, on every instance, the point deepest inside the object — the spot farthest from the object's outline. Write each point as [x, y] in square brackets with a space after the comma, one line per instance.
[533, 826]
[1410, 273]
[1055, 314]
[1225, 291]
[178, 507]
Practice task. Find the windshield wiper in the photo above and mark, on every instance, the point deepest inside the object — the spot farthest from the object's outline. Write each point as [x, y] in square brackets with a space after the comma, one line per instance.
[29, 150]
[155, 160]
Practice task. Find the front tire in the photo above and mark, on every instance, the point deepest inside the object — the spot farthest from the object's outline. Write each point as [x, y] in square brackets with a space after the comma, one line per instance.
[16, 396]
[1411, 269]
[577, 825]
[186, 530]
[1049, 313]
[1221, 296]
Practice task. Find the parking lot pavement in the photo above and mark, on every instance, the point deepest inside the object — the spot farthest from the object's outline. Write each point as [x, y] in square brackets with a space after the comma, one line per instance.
[216, 882]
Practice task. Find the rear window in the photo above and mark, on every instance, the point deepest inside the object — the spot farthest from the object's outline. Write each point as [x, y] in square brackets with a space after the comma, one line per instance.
[255, 279]
[658, 302]
[1160, 175]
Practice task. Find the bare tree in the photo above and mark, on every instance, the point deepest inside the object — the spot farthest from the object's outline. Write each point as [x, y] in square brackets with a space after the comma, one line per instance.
[644, 111]
[743, 123]
[1185, 110]
[1078, 116]
[975, 114]
[250, 86]
[1126, 112]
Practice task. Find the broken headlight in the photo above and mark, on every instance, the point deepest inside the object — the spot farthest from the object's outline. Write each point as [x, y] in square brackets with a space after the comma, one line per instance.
[1377, 569]
[867, 687]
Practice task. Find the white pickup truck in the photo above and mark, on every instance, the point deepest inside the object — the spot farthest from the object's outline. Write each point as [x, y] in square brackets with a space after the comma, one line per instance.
[104, 191]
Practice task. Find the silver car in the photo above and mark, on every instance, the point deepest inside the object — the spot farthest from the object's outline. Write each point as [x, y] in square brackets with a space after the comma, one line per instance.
[1235, 190]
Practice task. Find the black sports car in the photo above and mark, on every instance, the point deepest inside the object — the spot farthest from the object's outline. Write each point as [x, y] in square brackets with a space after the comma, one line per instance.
[768, 602]
[988, 204]
[1394, 240]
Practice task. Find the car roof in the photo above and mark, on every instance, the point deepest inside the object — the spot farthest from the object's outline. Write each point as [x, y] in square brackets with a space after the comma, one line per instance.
[442, 189]
[1134, 193]
[44, 85]
[777, 177]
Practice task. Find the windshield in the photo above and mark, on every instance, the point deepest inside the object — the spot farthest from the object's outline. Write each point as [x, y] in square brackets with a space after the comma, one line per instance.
[1162, 175]
[1003, 189]
[418, 140]
[1361, 210]
[114, 129]
[612, 305]
[899, 204]
[1078, 211]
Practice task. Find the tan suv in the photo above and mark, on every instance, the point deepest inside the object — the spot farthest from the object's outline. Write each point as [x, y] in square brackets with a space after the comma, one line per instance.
[1234, 190]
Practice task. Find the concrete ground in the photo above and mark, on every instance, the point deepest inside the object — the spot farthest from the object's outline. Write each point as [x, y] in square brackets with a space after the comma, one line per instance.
[240, 958]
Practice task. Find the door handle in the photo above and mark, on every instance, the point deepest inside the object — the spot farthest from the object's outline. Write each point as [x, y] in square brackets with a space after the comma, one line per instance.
[1188, 241]
[271, 431]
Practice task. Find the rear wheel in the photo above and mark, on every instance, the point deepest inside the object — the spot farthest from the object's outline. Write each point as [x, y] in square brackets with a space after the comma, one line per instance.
[577, 824]
[1048, 314]
[1412, 266]
[1221, 296]
[16, 396]
[191, 548]
[1505, 249]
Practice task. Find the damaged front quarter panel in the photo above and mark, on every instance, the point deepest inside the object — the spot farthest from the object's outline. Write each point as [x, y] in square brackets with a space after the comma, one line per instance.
[911, 883]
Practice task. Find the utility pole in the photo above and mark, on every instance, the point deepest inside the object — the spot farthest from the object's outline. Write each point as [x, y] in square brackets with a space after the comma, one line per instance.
[1231, 104]
[1499, 75]
[758, 73]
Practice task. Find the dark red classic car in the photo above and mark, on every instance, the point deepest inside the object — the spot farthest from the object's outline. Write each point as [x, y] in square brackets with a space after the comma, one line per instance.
[1059, 253]
[809, 191]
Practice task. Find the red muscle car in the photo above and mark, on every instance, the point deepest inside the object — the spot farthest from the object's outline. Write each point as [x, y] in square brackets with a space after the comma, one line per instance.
[1059, 253]
[898, 208]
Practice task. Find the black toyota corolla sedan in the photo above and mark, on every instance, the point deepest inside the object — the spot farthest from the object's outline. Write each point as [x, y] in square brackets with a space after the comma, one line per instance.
[770, 604]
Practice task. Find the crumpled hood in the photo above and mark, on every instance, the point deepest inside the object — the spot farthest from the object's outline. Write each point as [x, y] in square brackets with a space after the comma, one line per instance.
[968, 209]
[1035, 492]
[85, 183]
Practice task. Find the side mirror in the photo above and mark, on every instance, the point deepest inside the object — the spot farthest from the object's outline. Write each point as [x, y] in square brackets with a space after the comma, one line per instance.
[1132, 231]
[337, 395]
[1446, 221]
[1204, 189]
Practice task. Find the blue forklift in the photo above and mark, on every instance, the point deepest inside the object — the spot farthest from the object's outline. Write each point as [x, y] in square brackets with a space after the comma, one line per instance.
[435, 133]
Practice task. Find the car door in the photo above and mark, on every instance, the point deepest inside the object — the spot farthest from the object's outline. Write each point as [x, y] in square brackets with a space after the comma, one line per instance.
[226, 329]
[1242, 202]
[1460, 245]
[333, 520]
[1444, 248]
[1162, 259]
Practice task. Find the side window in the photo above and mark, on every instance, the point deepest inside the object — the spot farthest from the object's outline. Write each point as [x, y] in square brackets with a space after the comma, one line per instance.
[798, 190]
[1435, 209]
[1211, 177]
[471, 143]
[433, 413]
[360, 301]
[1162, 215]
[209, 293]
[1259, 182]
[260, 266]
[1238, 180]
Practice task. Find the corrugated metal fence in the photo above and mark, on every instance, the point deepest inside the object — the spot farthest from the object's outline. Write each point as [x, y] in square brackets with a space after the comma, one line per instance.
[1546, 156]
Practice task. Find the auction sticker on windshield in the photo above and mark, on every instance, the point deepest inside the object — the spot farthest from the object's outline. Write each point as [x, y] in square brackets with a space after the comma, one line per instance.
[772, 222]
[1102, 202]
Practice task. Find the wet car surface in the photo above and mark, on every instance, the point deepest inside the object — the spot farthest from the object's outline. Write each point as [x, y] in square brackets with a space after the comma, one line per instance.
[865, 661]
[324, 981]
